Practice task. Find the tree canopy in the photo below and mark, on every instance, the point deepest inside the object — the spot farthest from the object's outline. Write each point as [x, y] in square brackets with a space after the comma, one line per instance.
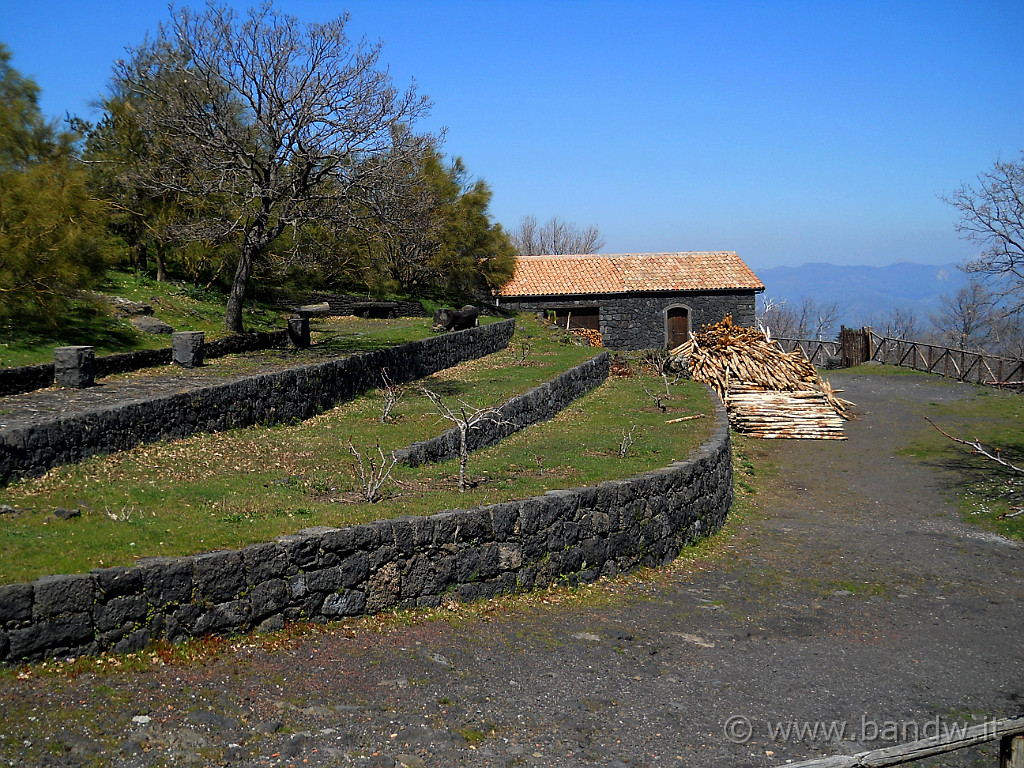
[992, 215]
[284, 123]
[439, 238]
[555, 237]
[52, 240]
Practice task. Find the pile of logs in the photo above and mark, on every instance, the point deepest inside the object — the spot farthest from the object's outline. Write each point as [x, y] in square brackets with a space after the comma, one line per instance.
[768, 392]
[594, 337]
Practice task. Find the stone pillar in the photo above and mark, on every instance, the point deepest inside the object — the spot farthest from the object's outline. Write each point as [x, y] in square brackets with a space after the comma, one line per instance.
[74, 367]
[187, 348]
[298, 332]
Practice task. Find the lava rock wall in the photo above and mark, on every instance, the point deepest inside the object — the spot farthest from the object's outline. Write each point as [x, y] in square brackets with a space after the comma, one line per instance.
[321, 574]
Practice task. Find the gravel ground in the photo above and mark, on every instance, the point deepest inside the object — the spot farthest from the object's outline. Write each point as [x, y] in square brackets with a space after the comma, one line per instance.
[850, 597]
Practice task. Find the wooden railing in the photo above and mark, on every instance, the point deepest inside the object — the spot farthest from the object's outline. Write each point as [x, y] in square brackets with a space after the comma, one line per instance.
[817, 351]
[860, 345]
[1010, 733]
[959, 364]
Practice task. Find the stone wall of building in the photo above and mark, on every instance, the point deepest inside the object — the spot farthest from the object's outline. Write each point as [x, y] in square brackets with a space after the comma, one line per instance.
[637, 321]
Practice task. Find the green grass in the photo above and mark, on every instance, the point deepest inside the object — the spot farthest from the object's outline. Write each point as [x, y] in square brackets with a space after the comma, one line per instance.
[91, 322]
[984, 490]
[230, 489]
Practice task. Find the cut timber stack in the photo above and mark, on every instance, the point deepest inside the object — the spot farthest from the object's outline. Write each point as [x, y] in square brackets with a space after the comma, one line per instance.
[801, 414]
[594, 337]
[767, 392]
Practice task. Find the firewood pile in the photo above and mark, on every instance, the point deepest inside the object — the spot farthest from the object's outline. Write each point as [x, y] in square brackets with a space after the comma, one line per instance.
[620, 367]
[767, 392]
[594, 337]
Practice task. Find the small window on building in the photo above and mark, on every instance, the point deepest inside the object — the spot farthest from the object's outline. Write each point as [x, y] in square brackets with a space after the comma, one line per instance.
[578, 317]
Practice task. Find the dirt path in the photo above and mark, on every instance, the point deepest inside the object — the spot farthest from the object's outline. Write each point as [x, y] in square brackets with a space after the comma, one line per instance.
[850, 595]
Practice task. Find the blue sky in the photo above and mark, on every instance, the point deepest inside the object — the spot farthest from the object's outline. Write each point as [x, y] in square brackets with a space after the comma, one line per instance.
[790, 132]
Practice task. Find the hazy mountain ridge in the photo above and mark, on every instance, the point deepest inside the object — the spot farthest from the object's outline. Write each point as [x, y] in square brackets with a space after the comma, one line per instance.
[865, 294]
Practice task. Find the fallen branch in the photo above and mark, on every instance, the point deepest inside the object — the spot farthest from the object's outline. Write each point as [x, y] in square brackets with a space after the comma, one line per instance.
[978, 448]
[686, 418]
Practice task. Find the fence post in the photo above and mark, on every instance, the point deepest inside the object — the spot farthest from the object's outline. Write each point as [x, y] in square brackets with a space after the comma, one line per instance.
[1011, 751]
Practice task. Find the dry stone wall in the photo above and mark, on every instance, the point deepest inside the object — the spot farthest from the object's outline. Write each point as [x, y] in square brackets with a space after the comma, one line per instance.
[322, 574]
[273, 398]
[539, 404]
[27, 378]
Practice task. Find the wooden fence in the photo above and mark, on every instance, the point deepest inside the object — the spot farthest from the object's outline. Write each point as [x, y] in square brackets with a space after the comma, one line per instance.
[1009, 732]
[821, 353]
[956, 363]
[861, 345]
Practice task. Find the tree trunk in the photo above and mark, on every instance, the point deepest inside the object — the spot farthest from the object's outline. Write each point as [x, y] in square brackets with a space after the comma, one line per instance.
[239, 286]
[141, 263]
[256, 238]
[463, 458]
[161, 269]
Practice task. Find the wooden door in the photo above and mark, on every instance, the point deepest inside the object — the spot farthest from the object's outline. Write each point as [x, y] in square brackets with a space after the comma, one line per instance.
[678, 326]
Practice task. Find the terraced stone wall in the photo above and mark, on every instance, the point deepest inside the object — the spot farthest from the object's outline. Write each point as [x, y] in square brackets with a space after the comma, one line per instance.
[539, 404]
[27, 378]
[321, 574]
[273, 398]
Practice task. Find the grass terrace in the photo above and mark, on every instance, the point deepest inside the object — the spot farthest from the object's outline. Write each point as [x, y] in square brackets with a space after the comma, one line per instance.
[227, 490]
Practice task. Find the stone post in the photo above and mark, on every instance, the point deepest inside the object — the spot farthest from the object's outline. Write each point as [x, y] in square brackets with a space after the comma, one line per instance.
[187, 348]
[74, 367]
[298, 332]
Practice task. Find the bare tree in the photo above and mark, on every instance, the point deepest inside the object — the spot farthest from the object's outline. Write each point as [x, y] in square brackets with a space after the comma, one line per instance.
[554, 237]
[373, 472]
[901, 324]
[273, 118]
[390, 393]
[627, 441]
[968, 318]
[777, 318]
[993, 455]
[466, 418]
[992, 215]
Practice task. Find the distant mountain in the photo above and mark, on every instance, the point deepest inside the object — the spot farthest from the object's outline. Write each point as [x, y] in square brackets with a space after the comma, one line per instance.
[865, 294]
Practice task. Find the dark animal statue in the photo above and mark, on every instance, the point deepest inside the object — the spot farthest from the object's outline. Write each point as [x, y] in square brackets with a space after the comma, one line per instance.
[456, 319]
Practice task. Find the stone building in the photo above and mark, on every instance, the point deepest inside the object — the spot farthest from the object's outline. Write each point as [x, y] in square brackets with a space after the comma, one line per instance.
[636, 300]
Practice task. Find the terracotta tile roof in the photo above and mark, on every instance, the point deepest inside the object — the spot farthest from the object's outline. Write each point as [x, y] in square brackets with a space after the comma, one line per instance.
[629, 273]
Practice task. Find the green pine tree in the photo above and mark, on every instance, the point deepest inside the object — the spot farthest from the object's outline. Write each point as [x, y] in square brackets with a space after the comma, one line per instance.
[52, 239]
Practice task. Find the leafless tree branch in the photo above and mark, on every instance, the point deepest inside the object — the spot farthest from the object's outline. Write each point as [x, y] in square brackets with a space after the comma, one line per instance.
[466, 418]
[555, 237]
[978, 448]
[373, 472]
